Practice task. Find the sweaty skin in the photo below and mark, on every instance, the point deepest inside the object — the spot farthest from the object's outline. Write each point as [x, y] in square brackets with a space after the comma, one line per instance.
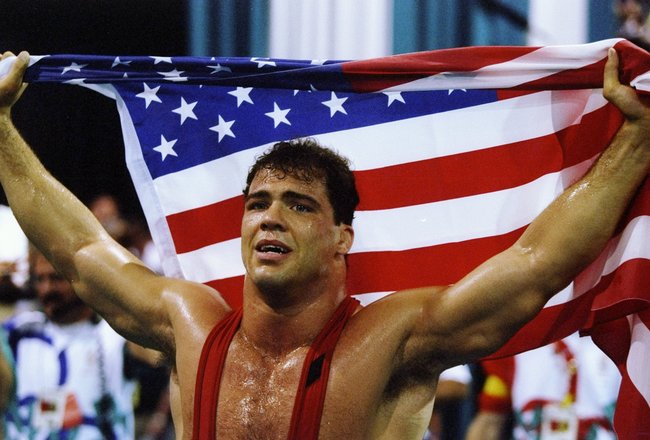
[386, 364]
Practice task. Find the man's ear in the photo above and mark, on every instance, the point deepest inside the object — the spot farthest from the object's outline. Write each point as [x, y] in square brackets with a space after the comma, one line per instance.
[346, 238]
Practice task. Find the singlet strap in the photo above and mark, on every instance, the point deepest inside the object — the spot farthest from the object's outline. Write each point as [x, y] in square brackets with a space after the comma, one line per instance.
[208, 376]
[310, 398]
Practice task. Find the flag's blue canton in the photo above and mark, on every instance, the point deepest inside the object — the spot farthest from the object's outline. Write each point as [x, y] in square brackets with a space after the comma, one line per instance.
[207, 123]
[250, 72]
[187, 111]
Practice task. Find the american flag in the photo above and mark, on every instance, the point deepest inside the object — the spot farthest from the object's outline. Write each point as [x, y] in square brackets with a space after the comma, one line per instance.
[455, 152]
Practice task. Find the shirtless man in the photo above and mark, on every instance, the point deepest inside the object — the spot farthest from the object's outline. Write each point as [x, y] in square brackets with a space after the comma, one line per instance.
[383, 375]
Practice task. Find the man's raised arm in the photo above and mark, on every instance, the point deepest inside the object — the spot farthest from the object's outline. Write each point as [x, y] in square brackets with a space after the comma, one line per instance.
[104, 274]
[481, 312]
[55, 221]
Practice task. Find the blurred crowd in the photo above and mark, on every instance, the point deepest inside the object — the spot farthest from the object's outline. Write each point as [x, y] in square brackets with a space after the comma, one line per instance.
[634, 23]
[64, 373]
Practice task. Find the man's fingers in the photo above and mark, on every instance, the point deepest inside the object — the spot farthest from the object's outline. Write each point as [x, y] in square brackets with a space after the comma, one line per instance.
[11, 85]
[610, 77]
[622, 96]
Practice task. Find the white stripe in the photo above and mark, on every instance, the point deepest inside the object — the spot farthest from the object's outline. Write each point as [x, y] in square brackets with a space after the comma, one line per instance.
[428, 137]
[143, 184]
[539, 64]
[461, 219]
[638, 357]
[221, 260]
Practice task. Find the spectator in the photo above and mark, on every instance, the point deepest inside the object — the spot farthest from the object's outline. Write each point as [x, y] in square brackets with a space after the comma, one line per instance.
[72, 371]
[566, 389]
[14, 294]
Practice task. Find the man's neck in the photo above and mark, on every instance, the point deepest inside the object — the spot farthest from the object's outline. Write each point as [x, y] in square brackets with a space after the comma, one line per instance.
[277, 331]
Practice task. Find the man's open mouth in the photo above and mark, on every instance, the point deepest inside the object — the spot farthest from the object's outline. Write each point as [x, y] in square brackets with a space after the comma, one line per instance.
[274, 248]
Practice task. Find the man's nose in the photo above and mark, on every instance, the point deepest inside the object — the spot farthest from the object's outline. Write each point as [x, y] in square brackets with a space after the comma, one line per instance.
[46, 284]
[273, 218]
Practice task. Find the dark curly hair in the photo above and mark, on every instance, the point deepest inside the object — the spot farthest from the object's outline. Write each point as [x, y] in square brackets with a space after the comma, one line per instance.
[306, 160]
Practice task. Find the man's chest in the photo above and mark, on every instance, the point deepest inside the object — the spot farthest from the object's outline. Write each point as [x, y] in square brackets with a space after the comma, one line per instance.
[257, 394]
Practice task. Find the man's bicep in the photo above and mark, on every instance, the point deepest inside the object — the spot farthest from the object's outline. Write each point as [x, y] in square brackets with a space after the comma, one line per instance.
[122, 289]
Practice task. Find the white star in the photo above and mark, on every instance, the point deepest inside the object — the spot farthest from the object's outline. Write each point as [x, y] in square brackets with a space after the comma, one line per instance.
[157, 60]
[118, 62]
[450, 91]
[278, 115]
[219, 68]
[318, 62]
[223, 128]
[335, 104]
[149, 95]
[74, 67]
[261, 63]
[173, 75]
[394, 96]
[166, 147]
[76, 81]
[186, 110]
[242, 95]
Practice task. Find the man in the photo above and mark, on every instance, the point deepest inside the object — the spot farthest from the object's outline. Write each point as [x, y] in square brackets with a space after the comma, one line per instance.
[72, 373]
[381, 378]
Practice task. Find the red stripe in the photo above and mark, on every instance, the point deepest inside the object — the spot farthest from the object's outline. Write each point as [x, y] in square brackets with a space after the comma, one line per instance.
[449, 177]
[631, 419]
[430, 266]
[550, 324]
[487, 170]
[231, 289]
[382, 73]
[587, 77]
[623, 292]
[200, 227]
[633, 61]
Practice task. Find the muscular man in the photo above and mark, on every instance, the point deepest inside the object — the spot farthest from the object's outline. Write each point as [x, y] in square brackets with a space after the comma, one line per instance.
[296, 231]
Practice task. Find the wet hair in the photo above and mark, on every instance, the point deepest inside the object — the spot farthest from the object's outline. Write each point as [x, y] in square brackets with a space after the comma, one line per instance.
[306, 160]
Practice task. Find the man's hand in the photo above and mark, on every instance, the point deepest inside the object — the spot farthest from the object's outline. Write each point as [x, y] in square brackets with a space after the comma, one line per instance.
[11, 85]
[622, 96]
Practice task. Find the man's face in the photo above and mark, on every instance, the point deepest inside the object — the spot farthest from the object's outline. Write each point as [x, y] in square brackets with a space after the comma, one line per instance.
[289, 237]
[58, 299]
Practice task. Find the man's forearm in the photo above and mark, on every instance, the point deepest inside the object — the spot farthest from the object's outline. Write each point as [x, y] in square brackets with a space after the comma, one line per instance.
[53, 219]
[573, 230]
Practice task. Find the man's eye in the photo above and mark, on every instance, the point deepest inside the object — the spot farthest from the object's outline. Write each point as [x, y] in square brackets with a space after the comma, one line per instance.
[302, 208]
[253, 206]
